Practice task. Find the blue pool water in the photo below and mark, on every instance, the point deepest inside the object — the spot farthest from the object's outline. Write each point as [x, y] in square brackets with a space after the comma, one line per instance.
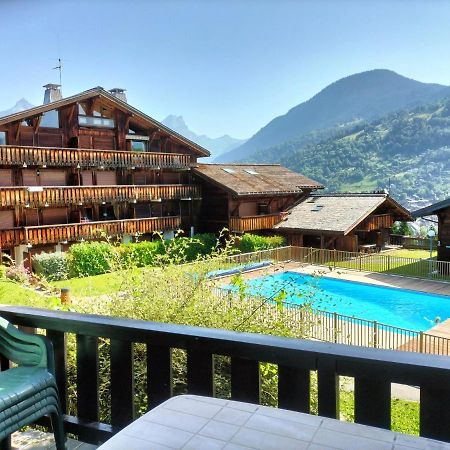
[397, 307]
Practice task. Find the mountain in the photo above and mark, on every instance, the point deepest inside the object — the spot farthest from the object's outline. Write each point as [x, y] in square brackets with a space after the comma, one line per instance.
[406, 152]
[363, 96]
[21, 105]
[216, 146]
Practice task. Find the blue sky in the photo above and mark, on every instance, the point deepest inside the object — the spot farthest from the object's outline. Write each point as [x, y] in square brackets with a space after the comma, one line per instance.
[226, 66]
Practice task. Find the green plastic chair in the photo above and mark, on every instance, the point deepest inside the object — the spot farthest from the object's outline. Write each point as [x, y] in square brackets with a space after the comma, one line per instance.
[29, 391]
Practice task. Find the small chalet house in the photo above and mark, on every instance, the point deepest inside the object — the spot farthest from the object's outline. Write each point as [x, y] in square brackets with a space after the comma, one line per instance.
[248, 197]
[91, 162]
[442, 210]
[350, 222]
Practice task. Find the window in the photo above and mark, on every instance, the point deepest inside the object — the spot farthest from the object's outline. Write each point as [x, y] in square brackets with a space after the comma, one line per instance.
[251, 171]
[263, 208]
[50, 119]
[101, 122]
[138, 146]
[2, 138]
[228, 170]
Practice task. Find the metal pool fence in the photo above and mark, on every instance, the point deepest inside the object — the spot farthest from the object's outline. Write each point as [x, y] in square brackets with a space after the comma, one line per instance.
[339, 328]
[372, 262]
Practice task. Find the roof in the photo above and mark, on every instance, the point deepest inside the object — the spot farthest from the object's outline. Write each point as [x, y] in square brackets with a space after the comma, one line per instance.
[432, 209]
[100, 92]
[337, 213]
[255, 179]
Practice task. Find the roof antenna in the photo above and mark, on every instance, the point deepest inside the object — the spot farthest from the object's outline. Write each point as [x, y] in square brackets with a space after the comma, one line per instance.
[59, 67]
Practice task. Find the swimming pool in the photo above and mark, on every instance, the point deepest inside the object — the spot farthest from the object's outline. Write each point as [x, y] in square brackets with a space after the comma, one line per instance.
[397, 307]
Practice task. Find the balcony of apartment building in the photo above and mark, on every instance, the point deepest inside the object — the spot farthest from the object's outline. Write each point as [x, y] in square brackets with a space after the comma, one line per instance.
[11, 155]
[295, 360]
[61, 214]
[253, 216]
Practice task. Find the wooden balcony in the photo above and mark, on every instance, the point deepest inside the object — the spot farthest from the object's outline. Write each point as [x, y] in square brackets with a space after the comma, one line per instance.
[72, 232]
[87, 195]
[294, 359]
[249, 223]
[84, 158]
[377, 222]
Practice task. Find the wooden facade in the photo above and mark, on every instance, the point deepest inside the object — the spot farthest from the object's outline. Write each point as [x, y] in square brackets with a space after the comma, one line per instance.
[442, 211]
[248, 197]
[92, 162]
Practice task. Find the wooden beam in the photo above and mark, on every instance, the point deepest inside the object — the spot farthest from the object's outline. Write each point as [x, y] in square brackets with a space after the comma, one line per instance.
[72, 112]
[36, 123]
[16, 128]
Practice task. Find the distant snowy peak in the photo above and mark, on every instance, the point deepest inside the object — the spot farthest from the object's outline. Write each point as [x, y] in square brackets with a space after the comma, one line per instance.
[21, 105]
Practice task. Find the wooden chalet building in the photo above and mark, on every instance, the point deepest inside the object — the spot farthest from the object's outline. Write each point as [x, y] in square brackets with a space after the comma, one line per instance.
[350, 222]
[442, 211]
[248, 197]
[74, 166]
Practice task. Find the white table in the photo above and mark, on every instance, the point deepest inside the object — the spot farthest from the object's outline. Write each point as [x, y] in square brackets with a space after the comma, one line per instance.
[203, 423]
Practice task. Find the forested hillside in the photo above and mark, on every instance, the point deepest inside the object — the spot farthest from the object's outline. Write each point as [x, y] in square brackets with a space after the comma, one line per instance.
[408, 152]
[362, 96]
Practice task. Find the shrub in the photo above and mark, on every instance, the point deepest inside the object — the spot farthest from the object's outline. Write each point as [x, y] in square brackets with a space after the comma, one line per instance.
[252, 242]
[18, 273]
[52, 266]
[91, 258]
[3, 270]
[140, 254]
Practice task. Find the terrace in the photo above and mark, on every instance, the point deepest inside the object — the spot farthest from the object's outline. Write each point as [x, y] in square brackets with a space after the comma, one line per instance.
[81, 158]
[250, 223]
[47, 234]
[297, 362]
[87, 195]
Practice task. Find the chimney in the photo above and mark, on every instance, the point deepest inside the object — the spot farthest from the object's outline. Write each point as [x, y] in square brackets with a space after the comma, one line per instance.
[52, 93]
[119, 93]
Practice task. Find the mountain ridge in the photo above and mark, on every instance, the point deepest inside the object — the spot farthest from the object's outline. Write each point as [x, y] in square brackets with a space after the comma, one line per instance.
[406, 152]
[362, 96]
[217, 146]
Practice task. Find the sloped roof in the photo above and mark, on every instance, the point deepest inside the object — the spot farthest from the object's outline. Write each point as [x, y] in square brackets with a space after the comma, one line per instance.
[100, 92]
[255, 179]
[432, 209]
[337, 213]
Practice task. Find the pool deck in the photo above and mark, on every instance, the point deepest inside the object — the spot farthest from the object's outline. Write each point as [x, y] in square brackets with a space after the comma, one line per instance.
[379, 279]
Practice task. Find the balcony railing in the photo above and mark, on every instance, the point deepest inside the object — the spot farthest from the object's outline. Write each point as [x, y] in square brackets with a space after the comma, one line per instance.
[377, 222]
[85, 158]
[373, 370]
[53, 234]
[86, 195]
[249, 223]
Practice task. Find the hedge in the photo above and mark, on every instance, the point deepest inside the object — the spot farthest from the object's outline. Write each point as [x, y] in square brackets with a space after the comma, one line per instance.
[253, 242]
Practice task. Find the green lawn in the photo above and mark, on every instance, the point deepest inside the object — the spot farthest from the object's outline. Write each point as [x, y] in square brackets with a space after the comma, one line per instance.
[395, 262]
[404, 414]
[12, 293]
[91, 286]
[411, 253]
